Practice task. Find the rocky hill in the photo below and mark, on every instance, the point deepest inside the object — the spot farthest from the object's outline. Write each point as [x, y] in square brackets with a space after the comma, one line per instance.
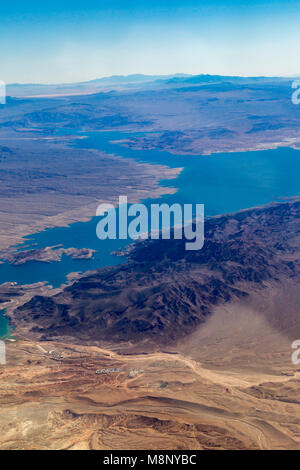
[164, 292]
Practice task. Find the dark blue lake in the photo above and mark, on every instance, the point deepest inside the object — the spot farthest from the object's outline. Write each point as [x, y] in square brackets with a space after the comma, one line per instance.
[223, 182]
[4, 325]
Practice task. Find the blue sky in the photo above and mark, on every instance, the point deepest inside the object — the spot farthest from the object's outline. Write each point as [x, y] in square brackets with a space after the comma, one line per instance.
[66, 41]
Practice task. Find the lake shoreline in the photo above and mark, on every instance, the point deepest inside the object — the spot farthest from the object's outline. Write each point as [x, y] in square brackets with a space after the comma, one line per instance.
[225, 183]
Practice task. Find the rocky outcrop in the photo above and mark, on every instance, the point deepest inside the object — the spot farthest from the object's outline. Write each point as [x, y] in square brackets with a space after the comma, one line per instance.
[164, 291]
[48, 254]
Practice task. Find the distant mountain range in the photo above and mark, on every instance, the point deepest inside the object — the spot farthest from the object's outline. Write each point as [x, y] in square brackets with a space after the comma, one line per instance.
[134, 81]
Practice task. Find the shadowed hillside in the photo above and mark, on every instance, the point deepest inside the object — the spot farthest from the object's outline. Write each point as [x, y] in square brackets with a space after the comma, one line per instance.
[164, 292]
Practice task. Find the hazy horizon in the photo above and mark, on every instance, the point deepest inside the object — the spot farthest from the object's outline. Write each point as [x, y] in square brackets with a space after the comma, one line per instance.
[182, 74]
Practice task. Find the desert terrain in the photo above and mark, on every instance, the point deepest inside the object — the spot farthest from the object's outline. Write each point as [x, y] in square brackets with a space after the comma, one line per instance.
[235, 388]
[92, 367]
[172, 349]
